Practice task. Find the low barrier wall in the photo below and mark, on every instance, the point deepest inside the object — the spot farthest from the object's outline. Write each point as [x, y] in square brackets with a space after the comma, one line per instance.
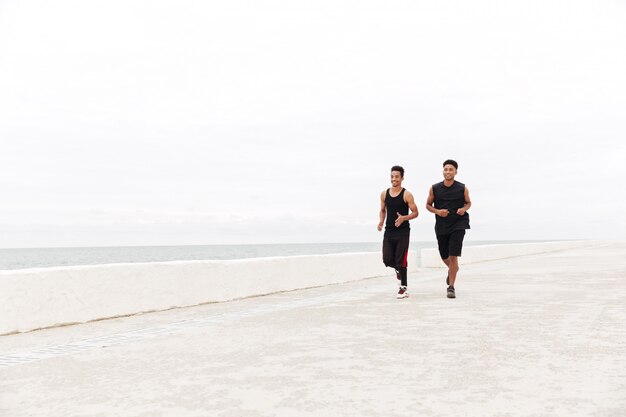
[46, 297]
[430, 257]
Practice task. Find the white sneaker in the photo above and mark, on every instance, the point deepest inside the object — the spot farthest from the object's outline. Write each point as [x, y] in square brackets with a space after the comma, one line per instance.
[402, 293]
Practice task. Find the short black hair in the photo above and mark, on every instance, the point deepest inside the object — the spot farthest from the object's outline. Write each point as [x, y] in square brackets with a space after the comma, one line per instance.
[399, 169]
[451, 162]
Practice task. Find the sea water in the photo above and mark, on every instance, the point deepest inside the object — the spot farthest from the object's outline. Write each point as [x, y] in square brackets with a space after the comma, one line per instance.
[50, 257]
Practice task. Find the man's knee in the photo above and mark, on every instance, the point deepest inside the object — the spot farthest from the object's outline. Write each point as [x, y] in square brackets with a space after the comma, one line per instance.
[453, 262]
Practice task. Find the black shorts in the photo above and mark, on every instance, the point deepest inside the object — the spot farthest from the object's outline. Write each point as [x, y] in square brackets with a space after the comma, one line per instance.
[396, 250]
[451, 245]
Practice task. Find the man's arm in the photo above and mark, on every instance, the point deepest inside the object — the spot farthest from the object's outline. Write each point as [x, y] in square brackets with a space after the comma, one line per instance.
[408, 198]
[383, 212]
[468, 204]
[429, 205]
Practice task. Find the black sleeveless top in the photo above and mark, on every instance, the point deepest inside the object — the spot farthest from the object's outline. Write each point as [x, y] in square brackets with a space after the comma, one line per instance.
[394, 206]
[451, 198]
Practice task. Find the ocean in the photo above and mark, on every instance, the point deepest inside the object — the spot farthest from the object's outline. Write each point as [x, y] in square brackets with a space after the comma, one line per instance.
[11, 259]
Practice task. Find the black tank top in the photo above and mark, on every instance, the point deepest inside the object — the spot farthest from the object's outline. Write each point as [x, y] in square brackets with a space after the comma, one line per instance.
[451, 198]
[394, 206]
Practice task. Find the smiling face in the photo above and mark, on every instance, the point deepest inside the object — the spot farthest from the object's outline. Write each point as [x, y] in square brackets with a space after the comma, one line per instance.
[396, 179]
[449, 172]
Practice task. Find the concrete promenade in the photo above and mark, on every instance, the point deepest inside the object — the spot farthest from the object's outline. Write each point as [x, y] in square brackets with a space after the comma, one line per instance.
[538, 335]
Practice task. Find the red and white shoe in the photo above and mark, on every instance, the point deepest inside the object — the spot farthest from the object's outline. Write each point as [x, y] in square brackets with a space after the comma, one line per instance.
[402, 293]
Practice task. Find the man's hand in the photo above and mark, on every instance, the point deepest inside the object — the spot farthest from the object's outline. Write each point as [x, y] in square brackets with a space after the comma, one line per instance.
[399, 220]
[443, 213]
[380, 226]
[460, 211]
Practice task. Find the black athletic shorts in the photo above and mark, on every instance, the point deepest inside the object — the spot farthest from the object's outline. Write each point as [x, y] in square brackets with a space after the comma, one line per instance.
[451, 245]
[396, 250]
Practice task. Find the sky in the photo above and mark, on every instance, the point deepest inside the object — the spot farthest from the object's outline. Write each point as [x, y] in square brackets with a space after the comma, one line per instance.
[191, 122]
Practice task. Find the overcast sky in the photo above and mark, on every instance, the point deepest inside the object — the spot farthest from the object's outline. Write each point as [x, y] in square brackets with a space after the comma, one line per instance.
[191, 122]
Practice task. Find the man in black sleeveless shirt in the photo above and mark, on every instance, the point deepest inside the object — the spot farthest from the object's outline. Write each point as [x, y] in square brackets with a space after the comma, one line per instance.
[449, 200]
[395, 203]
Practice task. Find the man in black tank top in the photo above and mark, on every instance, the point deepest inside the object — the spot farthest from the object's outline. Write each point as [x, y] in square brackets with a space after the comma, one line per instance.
[449, 200]
[395, 203]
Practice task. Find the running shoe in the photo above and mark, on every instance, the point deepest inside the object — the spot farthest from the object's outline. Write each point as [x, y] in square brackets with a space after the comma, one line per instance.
[451, 292]
[402, 293]
[397, 275]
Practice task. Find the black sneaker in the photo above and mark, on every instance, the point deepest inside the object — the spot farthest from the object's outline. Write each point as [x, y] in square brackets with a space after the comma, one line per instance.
[451, 292]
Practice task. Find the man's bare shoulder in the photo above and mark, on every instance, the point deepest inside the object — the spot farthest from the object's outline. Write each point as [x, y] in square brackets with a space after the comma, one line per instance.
[407, 194]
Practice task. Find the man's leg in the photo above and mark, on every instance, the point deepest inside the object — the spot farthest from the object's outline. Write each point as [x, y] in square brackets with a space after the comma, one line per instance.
[456, 247]
[443, 242]
[388, 252]
[453, 268]
[402, 254]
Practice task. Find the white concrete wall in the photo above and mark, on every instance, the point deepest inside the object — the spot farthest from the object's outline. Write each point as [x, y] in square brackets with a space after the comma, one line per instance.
[430, 257]
[37, 298]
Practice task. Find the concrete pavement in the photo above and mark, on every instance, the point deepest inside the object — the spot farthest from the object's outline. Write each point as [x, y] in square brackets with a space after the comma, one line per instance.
[539, 335]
